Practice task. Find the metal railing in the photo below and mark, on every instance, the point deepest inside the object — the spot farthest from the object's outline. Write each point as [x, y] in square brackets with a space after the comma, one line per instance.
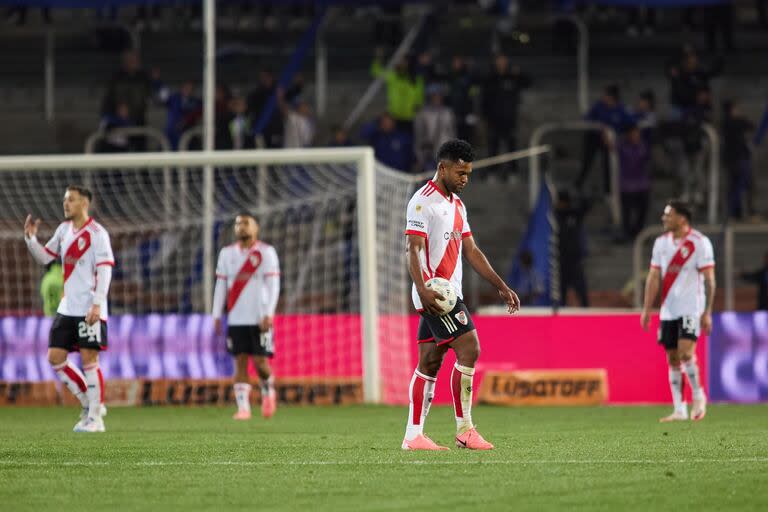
[128, 131]
[728, 232]
[584, 126]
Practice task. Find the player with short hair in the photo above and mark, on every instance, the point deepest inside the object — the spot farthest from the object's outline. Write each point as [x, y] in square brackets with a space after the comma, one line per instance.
[438, 235]
[248, 284]
[81, 318]
[683, 263]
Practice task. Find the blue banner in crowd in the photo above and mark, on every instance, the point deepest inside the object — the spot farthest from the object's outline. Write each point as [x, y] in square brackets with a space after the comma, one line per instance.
[140, 346]
[531, 275]
[738, 357]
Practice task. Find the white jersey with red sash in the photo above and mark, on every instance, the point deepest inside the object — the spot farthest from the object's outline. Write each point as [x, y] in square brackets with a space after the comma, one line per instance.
[681, 262]
[246, 271]
[81, 251]
[442, 221]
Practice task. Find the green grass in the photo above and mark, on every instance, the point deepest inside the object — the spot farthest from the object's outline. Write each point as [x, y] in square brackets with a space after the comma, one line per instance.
[349, 459]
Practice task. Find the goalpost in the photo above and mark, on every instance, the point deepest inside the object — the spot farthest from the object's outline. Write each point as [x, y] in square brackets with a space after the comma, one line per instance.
[335, 219]
[335, 216]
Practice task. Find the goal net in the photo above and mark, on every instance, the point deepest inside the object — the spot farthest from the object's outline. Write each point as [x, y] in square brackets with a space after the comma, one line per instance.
[335, 218]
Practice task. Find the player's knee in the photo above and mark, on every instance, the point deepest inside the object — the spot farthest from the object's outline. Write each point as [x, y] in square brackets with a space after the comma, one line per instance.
[686, 357]
[430, 366]
[56, 357]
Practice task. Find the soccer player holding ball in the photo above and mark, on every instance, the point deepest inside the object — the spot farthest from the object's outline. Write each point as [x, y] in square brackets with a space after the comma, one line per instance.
[248, 284]
[438, 235]
[683, 263]
[81, 318]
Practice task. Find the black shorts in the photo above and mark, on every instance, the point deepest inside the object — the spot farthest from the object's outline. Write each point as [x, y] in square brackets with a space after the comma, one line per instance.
[248, 339]
[72, 333]
[670, 331]
[444, 329]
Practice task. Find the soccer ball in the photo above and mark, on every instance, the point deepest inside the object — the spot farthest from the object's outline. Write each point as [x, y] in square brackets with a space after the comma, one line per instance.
[444, 288]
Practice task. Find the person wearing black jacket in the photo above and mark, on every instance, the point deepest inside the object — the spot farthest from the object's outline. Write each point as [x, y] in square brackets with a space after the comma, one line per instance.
[502, 90]
[737, 158]
[570, 219]
[460, 85]
[132, 86]
[687, 76]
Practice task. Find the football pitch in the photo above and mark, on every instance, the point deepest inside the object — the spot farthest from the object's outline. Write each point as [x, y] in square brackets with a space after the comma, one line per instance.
[349, 459]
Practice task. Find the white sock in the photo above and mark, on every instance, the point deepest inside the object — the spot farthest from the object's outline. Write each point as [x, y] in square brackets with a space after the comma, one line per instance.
[692, 371]
[267, 386]
[421, 392]
[676, 386]
[93, 381]
[74, 380]
[461, 390]
[243, 396]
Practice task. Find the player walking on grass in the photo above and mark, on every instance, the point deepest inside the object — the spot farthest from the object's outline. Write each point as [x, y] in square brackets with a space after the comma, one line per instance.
[683, 263]
[81, 318]
[438, 235]
[248, 283]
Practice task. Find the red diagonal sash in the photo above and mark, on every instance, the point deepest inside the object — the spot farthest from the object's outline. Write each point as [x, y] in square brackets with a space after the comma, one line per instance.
[74, 252]
[683, 254]
[251, 265]
[451, 257]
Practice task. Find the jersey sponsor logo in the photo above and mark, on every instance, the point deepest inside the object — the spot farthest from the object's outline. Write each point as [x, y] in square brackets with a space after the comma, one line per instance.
[451, 257]
[461, 317]
[415, 224]
[452, 235]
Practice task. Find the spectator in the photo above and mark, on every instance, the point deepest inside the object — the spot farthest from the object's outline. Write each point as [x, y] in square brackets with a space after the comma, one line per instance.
[433, 125]
[340, 138]
[184, 110]
[501, 103]
[224, 115]
[239, 125]
[52, 288]
[460, 98]
[257, 100]
[737, 159]
[299, 126]
[115, 142]
[611, 112]
[572, 246]
[759, 277]
[392, 146]
[530, 284]
[687, 77]
[131, 86]
[645, 117]
[405, 92]
[690, 161]
[634, 181]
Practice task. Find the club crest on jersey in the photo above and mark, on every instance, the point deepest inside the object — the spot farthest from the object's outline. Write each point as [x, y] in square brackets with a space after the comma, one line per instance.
[81, 243]
[461, 317]
[684, 251]
[255, 260]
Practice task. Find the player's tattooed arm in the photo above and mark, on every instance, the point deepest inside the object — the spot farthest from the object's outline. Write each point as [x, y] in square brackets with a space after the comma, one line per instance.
[480, 263]
[416, 248]
[710, 286]
[652, 285]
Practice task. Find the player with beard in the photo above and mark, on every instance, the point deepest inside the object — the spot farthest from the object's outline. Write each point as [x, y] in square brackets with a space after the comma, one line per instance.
[248, 284]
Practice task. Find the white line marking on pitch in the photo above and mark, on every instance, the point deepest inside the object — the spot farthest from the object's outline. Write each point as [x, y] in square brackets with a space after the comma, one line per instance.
[381, 463]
